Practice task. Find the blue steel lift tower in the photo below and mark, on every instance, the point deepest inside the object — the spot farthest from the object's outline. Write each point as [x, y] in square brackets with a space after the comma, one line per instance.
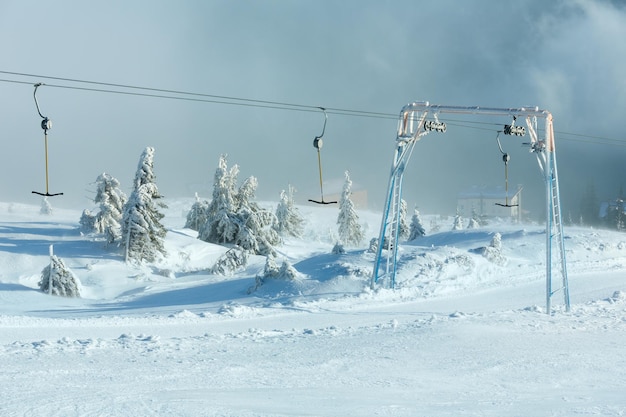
[413, 125]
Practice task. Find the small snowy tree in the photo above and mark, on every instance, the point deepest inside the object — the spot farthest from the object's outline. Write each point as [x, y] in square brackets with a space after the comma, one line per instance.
[220, 224]
[198, 214]
[231, 261]
[458, 221]
[289, 219]
[403, 227]
[286, 272]
[350, 231]
[416, 228]
[493, 252]
[476, 221]
[257, 226]
[338, 249]
[235, 218]
[143, 234]
[615, 216]
[112, 201]
[87, 222]
[434, 226]
[496, 241]
[271, 269]
[58, 279]
[46, 207]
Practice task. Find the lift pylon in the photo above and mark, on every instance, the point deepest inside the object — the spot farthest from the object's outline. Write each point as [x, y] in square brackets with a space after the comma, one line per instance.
[412, 126]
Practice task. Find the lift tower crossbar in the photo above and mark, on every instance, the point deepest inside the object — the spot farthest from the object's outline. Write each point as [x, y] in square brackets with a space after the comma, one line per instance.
[413, 125]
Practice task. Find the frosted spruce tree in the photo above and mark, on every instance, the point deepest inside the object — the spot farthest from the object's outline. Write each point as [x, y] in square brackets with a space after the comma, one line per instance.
[235, 258]
[142, 232]
[45, 208]
[87, 222]
[286, 272]
[220, 225]
[58, 279]
[197, 216]
[416, 229]
[288, 216]
[615, 215]
[257, 227]
[403, 229]
[350, 231]
[458, 221]
[474, 222]
[493, 252]
[111, 200]
[235, 218]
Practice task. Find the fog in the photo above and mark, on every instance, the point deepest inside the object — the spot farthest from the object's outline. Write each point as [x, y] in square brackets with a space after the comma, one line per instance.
[564, 56]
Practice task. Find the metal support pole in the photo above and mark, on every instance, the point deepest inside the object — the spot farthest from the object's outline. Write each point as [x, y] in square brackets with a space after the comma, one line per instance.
[46, 125]
[46, 157]
[549, 211]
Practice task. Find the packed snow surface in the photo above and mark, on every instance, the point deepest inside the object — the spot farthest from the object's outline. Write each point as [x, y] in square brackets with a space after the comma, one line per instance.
[464, 333]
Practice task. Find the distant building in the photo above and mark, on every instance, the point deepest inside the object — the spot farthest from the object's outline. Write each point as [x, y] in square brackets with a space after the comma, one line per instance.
[489, 202]
[358, 197]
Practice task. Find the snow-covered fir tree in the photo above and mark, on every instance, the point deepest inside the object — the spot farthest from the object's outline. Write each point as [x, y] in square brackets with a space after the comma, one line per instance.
[220, 224]
[227, 264]
[256, 230]
[107, 220]
[198, 214]
[493, 252]
[271, 268]
[142, 232]
[615, 215]
[403, 227]
[475, 221]
[87, 222]
[286, 272]
[416, 228]
[290, 222]
[434, 226]
[496, 241]
[458, 221]
[350, 231]
[338, 249]
[111, 200]
[46, 207]
[58, 279]
[235, 218]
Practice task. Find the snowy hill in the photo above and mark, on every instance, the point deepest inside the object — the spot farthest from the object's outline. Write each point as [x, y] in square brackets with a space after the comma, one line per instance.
[462, 334]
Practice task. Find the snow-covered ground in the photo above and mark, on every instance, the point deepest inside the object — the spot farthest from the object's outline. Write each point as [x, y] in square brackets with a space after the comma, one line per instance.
[459, 336]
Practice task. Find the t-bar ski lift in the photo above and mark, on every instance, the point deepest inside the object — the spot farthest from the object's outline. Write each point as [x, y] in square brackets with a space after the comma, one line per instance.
[317, 144]
[505, 158]
[46, 124]
[413, 125]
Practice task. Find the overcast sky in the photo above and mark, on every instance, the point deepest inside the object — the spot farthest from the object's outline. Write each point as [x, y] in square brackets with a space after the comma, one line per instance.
[568, 57]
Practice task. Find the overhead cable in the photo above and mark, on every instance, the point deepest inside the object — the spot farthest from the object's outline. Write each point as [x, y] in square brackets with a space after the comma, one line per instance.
[169, 94]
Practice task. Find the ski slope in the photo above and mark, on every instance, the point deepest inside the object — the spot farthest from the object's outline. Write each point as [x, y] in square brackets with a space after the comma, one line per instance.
[459, 336]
